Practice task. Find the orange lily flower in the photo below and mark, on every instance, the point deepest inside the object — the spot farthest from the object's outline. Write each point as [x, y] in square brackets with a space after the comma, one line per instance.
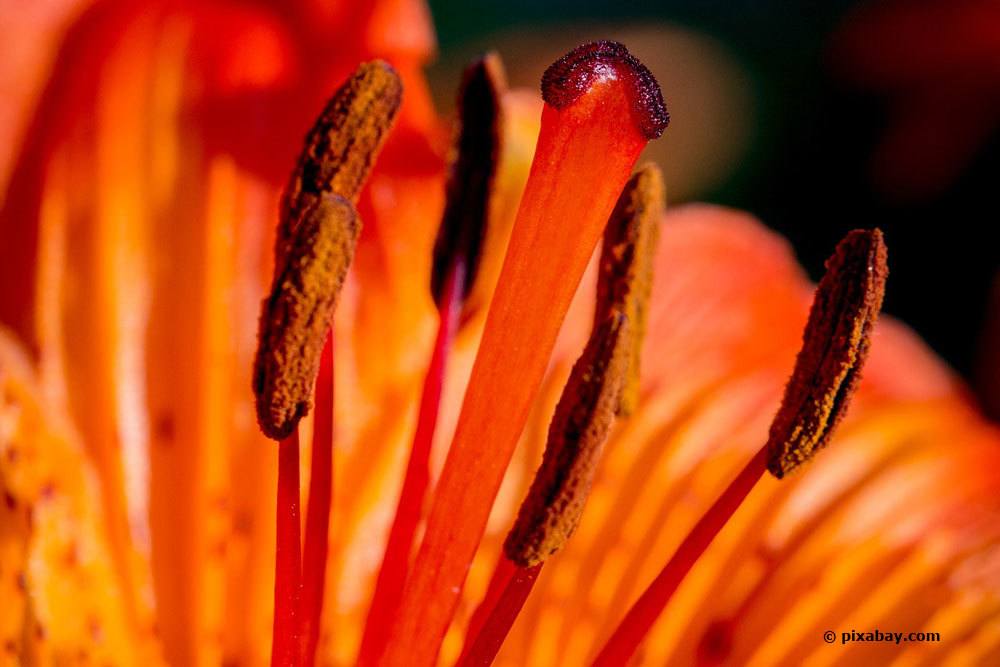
[138, 522]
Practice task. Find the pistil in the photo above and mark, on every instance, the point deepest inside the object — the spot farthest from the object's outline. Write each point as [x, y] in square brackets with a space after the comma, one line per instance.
[601, 108]
[835, 345]
[607, 372]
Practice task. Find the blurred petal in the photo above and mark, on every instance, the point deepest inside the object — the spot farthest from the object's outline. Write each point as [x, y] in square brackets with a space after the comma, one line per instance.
[62, 596]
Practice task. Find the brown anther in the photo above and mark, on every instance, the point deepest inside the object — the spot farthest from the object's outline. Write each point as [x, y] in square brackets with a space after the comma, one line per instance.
[583, 418]
[341, 147]
[835, 344]
[473, 170]
[625, 276]
[572, 75]
[296, 317]
[315, 242]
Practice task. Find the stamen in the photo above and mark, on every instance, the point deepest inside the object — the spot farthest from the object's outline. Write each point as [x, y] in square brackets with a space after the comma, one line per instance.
[584, 156]
[552, 509]
[579, 428]
[316, 237]
[315, 242]
[297, 314]
[470, 181]
[835, 345]
[456, 255]
[626, 268]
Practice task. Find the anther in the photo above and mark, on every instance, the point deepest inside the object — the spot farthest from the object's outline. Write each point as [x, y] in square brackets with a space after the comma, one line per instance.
[472, 174]
[296, 316]
[625, 276]
[835, 345]
[317, 232]
[342, 145]
[579, 428]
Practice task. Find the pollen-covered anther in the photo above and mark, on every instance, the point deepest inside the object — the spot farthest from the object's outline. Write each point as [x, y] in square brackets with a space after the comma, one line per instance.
[472, 173]
[572, 75]
[296, 317]
[583, 418]
[342, 145]
[625, 277]
[835, 345]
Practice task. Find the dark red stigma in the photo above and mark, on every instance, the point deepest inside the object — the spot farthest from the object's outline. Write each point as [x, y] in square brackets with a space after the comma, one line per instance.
[569, 77]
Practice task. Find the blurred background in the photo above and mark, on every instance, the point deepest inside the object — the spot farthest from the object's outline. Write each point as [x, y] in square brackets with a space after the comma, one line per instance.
[818, 117]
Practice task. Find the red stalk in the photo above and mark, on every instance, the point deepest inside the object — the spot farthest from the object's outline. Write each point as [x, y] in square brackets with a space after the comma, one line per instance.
[586, 150]
[502, 574]
[396, 560]
[287, 566]
[643, 614]
[491, 622]
[318, 512]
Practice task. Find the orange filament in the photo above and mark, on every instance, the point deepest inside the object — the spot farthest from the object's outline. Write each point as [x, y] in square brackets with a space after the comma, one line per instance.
[395, 562]
[502, 574]
[647, 609]
[584, 156]
[288, 568]
[318, 512]
[508, 591]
